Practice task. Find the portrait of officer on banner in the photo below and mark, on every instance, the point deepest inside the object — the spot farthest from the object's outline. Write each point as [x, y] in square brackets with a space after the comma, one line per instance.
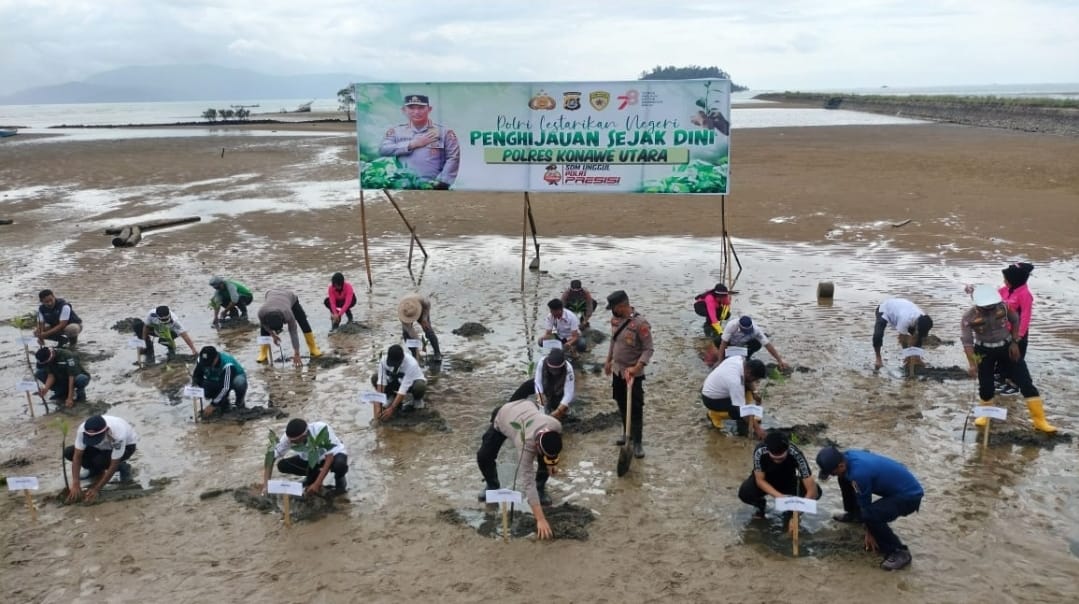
[424, 148]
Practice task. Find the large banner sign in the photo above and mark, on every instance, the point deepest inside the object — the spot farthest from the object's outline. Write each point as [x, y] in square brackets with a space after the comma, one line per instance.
[594, 137]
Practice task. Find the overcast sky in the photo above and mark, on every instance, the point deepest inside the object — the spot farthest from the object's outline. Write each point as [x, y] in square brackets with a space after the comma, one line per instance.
[766, 44]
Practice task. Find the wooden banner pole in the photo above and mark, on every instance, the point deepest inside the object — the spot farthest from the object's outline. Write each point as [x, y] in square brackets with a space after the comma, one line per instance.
[411, 229]
[30, 405]
[285, 505]
[30, 505]
[366, 255]
[524, 240]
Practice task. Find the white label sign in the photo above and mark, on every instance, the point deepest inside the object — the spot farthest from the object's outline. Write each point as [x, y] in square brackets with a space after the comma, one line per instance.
[993, 412]
[735, 351]
[373, 397]
[551, 344]
[134, 342]
[913, 351]
[284, 487]
[26, 386]
[22, 483]
[503, 495]
[194, 392]
[412, 343]
[751, 410]
[796, 504]
[267, 340]
[28, 340]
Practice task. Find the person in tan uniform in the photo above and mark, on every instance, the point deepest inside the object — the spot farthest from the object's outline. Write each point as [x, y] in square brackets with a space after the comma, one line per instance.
[630, 351]
[412, 309]
[539, 438]
[280, 308]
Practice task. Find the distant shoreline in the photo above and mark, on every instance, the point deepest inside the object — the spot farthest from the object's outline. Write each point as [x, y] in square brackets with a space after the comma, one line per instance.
[206, 124]
[1048, 116]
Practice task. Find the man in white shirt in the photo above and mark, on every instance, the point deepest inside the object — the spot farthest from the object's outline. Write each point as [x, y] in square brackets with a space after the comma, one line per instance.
[103, 444]
[725, 390]
[907, 319]
[329, 456]
[399, 374]
[162, 323]
[743, 337]
[563, 325]
[553, 385]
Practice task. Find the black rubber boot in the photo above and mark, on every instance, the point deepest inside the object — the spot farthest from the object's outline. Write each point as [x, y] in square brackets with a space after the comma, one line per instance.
[482, 497]
[544, 498]
[340, 484]
[433, 339]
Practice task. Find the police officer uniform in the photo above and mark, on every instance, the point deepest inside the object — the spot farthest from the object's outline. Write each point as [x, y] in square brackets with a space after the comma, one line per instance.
[437, 162]
[631, 344]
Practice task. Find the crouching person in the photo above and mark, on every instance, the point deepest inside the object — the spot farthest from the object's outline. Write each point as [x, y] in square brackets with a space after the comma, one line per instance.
[60, 371]
[540, 442]
[330, 455]
[219, 373]
[778, 467]
[103, 444]
[399, 374]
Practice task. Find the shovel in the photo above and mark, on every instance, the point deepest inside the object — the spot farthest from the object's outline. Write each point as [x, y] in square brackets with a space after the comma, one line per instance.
[625, 454]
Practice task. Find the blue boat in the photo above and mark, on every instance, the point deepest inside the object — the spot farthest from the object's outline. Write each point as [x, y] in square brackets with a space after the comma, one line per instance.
[8, 132]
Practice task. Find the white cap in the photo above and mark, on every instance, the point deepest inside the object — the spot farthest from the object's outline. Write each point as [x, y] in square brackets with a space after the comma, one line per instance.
[986, 295]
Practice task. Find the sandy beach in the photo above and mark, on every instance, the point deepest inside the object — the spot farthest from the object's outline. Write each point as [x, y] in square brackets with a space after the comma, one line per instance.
[807, 205]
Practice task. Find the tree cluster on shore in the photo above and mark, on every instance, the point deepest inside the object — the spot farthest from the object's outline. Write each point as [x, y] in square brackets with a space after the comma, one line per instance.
[226, 115]
[690, 72]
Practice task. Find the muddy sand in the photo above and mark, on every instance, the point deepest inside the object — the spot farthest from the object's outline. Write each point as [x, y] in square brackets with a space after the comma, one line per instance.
[809, 205]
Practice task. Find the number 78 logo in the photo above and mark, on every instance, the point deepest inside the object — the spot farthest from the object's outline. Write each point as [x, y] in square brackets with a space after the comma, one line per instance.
[629, 98]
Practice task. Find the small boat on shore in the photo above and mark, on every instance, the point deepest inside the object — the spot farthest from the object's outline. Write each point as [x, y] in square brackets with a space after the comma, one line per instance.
[8, 132]
[304, 108]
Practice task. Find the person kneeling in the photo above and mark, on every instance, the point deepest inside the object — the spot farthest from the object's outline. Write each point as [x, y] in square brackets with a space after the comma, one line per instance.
[553, 385]
[330, 456]
[217, 373]
[399, 374]
[103, 444]
[778, 466]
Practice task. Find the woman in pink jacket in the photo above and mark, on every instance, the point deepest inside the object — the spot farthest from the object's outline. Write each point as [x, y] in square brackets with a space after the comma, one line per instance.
[340, 298]
[1017, 296]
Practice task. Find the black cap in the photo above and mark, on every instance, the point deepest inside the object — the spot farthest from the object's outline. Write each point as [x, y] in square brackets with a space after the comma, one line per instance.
[44, 355]
[550, 446]
[395, 354]
[720, 289]
[616, 298]
[94, 430]
[162, 313]
[295, 427]
[757, 370]
[208, 353]
[575, 284]
[828, 459]
[776, 442]
[556, 358]
[555, 304]
[417, 99]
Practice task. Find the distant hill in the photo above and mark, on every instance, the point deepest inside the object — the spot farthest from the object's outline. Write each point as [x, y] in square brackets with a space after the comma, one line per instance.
[183, 83]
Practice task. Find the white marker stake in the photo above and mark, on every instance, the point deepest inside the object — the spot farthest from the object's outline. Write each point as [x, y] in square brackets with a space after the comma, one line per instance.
[25, 484]
[196, 395]
[504, 497]
[264, 340]
[991, 413]
[551, 344]
[796, 505]
[27, 386]
[285, 488]
[751, 411]
[373, 397]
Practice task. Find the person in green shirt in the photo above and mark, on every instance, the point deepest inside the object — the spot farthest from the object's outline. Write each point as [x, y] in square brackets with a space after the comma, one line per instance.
[61, 372]
[229, 297]
[218, 373]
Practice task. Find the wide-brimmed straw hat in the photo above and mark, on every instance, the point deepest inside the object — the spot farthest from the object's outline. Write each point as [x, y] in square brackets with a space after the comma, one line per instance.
[409, 309]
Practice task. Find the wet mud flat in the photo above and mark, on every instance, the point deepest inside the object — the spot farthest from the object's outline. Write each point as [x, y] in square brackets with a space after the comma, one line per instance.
[471, 330]
[113, 492]
[301, 509]
[418, 420]
[236, 415]
[237, 325]
[567, 521]
[1019, 437]
[352, 328]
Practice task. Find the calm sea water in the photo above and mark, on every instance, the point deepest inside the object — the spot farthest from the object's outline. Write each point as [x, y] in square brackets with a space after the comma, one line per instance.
[44, 116]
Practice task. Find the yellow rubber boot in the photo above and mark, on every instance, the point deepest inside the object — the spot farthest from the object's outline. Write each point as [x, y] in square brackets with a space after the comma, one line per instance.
[311, 345]
[264, 353]
[1037, 415]
[982, 422]
[717, 418]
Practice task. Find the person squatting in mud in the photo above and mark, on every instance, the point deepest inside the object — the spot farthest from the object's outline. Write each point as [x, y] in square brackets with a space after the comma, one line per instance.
[329, 454]
[160, 322]
[280, 308]
[538, 438]
[779, 469]
[744, 337]
[103, 444]
[989, 331]
[580, 302]
[861, 475]
[60, 371]
[218, 373]
[398, 374]
[715, 306]
[56, 320]
[630, 351]
[230, 299]
[554, 385]
[562, 325]
[340, 298]
[725, 390]
[907, 319]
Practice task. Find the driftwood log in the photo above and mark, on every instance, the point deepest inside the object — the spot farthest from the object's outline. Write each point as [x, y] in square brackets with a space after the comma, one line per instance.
[128, 237]
[6, 221]
[156, 224]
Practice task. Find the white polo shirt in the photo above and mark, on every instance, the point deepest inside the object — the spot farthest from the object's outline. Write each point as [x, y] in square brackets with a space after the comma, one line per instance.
[409, 367]
[900, 314]
[727, 380]
[565, 326]
[313, 428]
[159, 328]
[119, 436]
[568, 389]
[734, 336]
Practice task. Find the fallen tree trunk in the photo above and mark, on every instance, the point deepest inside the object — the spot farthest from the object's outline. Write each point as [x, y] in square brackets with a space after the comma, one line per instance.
[6, 221]
[157, 224]
[128, 237]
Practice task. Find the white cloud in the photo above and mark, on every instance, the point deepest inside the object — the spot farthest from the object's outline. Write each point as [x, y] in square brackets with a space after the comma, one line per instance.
[774, 44]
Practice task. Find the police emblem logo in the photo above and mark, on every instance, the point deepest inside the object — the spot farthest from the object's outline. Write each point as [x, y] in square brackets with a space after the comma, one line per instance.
[571, 101]
[552, 176]
[542, 101]
[599, 99]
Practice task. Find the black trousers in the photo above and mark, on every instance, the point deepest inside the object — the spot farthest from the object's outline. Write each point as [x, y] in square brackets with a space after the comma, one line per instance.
[137, 326]
[297, 466]
[429, 332]
[786, 482]
[348, 311]
[879, 513]
[97, 460]
[301, 318]
[487, 458]
[418, 388]
[618, 392]
[527, 389]
[997, 359]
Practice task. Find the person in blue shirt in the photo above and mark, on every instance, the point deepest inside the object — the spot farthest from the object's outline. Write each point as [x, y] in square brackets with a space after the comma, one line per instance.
[861, 475]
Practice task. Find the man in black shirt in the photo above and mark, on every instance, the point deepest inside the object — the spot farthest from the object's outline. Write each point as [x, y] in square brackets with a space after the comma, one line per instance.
[777, 468]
